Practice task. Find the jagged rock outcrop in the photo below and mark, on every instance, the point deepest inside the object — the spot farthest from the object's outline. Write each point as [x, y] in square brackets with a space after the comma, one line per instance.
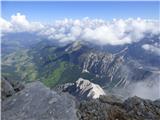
[61, 88]
[111, 108]
[10, 87]
[111, 99]
[37, 102]
[6, 89]
[142, 108]
[101, 63]
[84, 89]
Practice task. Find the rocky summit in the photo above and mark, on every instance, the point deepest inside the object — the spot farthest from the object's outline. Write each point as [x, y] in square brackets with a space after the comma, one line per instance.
[37, 102]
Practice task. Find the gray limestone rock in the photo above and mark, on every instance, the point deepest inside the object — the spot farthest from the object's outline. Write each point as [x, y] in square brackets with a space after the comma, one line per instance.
[133, 108]
[37, 102]
[6, 89]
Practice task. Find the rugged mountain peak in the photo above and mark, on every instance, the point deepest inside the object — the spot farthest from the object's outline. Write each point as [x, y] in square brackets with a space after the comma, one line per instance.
[84, 89]
[94, 90]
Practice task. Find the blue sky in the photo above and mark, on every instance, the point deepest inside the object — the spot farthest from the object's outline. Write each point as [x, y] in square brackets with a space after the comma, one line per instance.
[49, 11]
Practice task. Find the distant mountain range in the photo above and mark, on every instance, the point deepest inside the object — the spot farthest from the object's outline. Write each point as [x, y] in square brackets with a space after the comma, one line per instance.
[28, 57]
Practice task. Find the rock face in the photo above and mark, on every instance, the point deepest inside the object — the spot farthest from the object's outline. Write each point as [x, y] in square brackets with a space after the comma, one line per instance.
[9, 87]
[37, 102]
[102, 63]
[84, 89]
[111, 108]
[112, 70]
[142, 108]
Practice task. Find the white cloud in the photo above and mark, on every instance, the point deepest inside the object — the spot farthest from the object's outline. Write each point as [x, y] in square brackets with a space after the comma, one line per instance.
[152, 48]
[76, 31]
[5, 25]
[116, 32]
[19, 23]
[146, 91]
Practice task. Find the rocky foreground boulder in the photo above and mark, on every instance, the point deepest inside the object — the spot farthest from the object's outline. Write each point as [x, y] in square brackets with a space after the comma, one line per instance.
[37, 102]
